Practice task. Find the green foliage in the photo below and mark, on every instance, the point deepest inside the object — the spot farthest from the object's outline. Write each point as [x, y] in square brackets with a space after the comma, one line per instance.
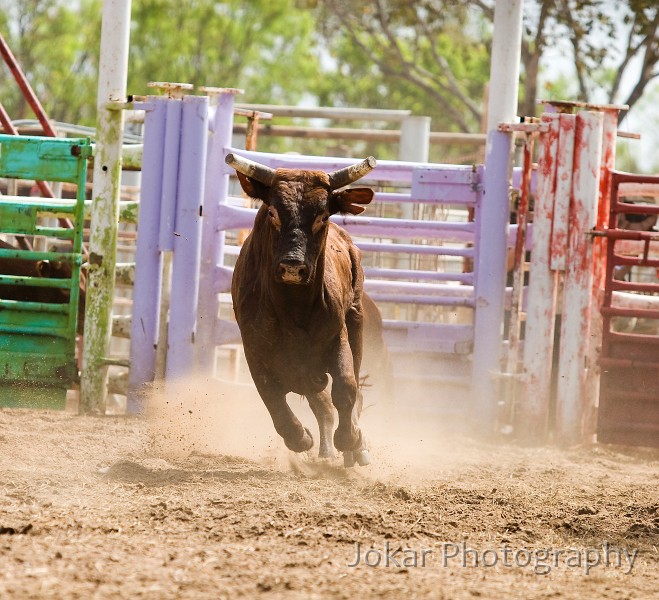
[415, 56]
[56, 45]
[429, 56]
[262, 46]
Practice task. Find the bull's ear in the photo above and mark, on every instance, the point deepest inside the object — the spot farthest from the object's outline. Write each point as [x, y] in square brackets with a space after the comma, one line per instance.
[348, 201]
[254, 189]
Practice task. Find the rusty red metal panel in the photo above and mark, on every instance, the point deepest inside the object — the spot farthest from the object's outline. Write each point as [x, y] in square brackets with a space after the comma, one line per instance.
[629, 386]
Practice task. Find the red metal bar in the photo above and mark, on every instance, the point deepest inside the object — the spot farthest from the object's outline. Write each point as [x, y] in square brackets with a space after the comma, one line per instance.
[630, 312]
[26, 88]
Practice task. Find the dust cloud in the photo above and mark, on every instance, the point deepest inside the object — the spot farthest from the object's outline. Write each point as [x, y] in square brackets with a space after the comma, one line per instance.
[407, 441]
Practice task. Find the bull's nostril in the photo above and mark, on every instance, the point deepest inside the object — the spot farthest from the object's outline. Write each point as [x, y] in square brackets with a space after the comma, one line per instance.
[295, 273]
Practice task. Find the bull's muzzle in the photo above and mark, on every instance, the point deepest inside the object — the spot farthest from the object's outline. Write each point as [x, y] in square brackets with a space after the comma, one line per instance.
[296, 273]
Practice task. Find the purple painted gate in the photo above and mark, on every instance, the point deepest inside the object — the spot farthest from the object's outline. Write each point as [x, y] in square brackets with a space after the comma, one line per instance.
[435, 348]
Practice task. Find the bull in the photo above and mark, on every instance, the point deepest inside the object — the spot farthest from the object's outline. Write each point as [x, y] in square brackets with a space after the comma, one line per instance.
[297, 297]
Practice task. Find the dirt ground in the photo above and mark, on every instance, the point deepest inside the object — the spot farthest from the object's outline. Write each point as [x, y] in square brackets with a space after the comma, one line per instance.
[201, 500]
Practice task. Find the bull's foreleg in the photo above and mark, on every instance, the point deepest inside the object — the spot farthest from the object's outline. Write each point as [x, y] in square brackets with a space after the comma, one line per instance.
[296, 437]
[321, 406]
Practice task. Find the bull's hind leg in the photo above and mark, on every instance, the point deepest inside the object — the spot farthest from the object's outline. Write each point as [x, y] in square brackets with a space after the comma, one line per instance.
[348, 436]
[321, 406]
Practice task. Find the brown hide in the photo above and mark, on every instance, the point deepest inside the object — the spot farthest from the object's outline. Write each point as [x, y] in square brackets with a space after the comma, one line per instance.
[377, 369]
[37, 268]
[297, 296]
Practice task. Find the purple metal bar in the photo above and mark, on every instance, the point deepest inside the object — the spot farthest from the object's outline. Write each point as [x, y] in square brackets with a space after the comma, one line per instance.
[415, 249]
[170, 175]
[236, 217]
[386, 170]
[187, 238]
[213, 235]
[148, 267]
[418, 298]
[492, 220]
[378, 272]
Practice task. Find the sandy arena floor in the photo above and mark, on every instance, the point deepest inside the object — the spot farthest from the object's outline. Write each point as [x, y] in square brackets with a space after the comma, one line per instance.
[201, 500]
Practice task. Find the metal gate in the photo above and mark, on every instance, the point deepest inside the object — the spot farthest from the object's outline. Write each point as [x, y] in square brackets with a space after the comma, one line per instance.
[37, 326]
[629, 386]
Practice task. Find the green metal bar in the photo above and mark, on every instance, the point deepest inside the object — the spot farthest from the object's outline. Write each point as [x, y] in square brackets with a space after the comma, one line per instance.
[65, 257]
[45, 159]
[22, 305]
[55, 232]
[35, 330]
[51, 206]
[42, 282]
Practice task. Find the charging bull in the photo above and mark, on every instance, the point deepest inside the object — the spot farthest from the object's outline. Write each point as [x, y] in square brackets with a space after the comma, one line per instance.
[297, 297]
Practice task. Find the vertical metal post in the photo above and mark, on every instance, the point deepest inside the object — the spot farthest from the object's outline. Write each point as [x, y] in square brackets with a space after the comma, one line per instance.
[609, 134]
[170, 175]
[531, 417]
[414, 142]
[216, 192]
[414, 146]
[575, 327]
[494, 212]
[187, 238]
[113, 69]
[514, 322]
[148, 259]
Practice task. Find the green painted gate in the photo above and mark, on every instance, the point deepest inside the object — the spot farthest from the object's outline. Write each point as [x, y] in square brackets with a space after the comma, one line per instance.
[37, 332]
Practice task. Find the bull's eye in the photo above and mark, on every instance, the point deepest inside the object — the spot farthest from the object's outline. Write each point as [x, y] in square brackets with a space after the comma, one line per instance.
[319, 222]
[274, 217]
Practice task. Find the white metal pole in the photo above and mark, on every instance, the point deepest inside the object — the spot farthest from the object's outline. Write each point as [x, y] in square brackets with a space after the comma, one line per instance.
[571, 400]
[112, 76]
[414, 146]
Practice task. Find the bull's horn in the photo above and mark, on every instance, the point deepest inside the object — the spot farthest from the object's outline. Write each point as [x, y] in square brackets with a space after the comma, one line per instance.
[347, 175]
[251, 169]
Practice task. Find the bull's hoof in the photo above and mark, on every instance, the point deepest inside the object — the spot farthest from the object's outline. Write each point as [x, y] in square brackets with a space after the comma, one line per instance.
[350, 440]
[303, 444]
[362, 457]
[359, 457]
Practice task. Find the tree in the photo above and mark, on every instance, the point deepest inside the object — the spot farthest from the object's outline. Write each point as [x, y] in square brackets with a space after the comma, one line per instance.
[605, 41]
[440, 48]
[434, 58]
[262, 46]
[56, 45]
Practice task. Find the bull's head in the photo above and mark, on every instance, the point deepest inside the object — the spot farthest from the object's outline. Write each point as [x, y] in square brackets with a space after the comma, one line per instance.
[299, 204]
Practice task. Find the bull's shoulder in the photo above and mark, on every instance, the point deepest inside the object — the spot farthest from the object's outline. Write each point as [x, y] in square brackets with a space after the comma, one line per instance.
[340, 240]
[345, 258]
